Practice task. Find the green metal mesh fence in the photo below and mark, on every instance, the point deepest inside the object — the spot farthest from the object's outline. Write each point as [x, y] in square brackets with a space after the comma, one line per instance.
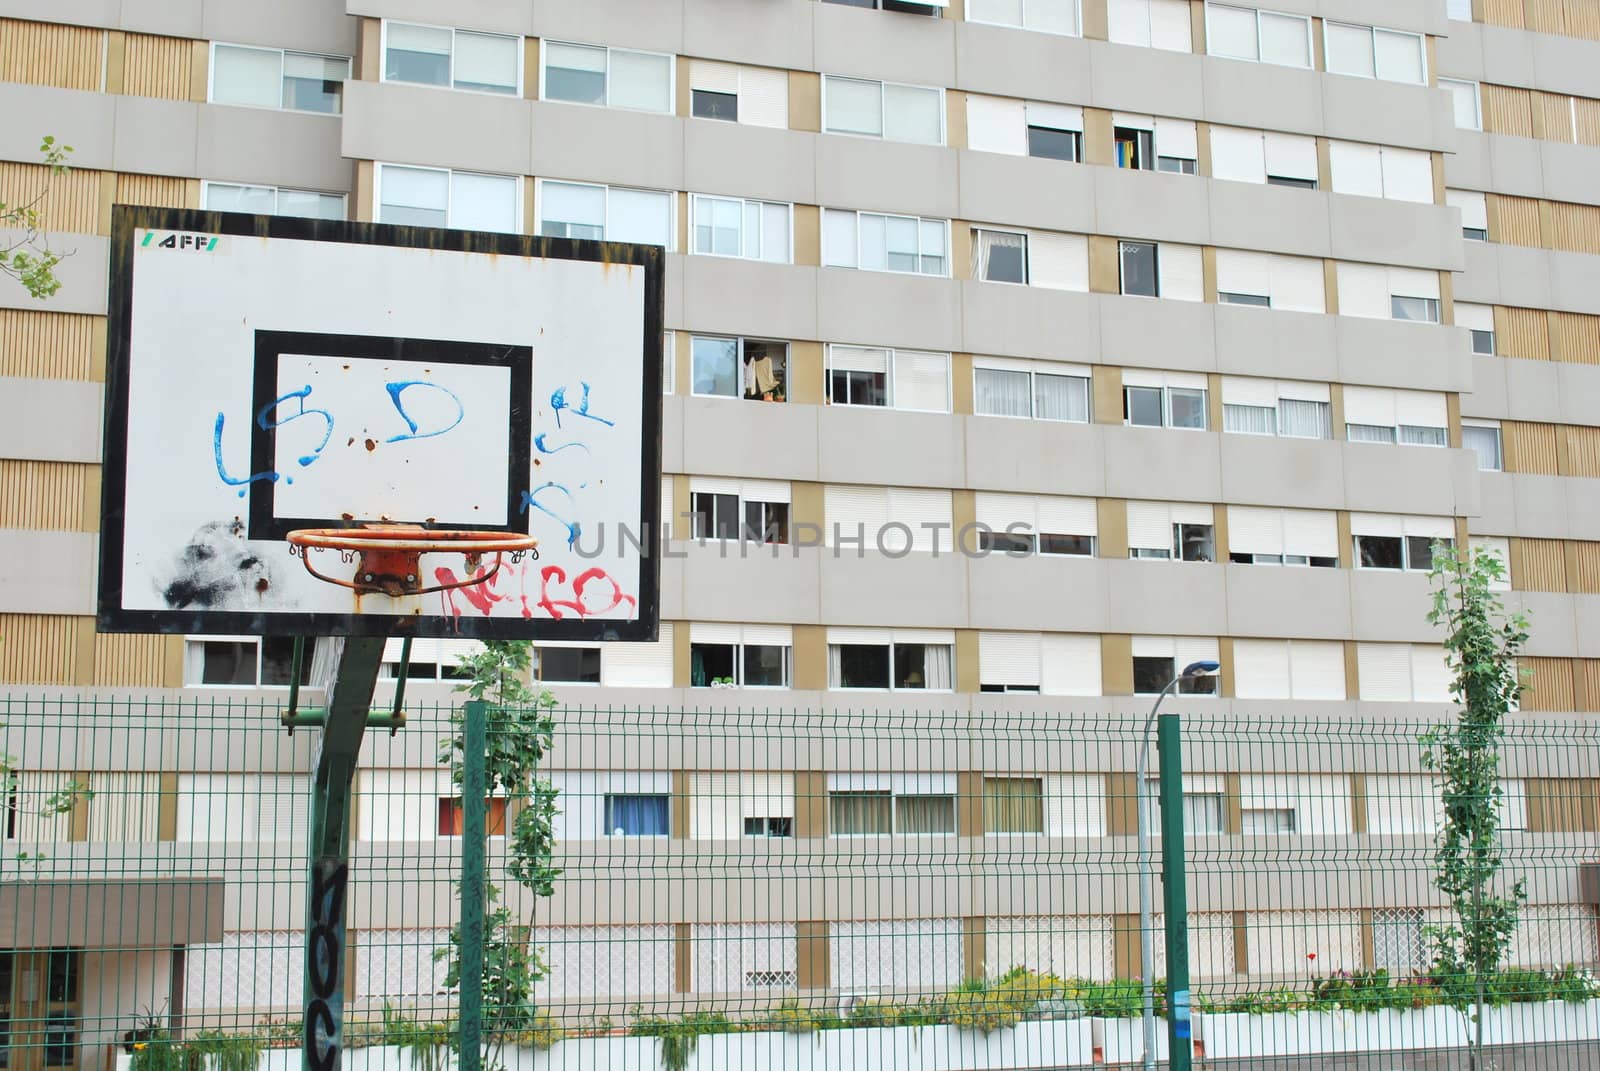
[782, 889]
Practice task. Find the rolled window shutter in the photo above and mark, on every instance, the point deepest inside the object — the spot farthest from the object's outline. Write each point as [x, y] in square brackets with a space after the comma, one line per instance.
[714, 806]
[1310, 532]
[914, 507]
[764, 97]
[937, 637]
[1192, 513]
[712, 485]
[1178, 267]
[1252, 530]
[858, 359]
[1369, 405]
[921, 381]
[1363, 291]
[1407, 175]
[1133, 121]
[713, 632]
[1128, 22]
[764, 490]
[1376, 524]
[1055, 116]
[1384, 670]
[1422, 408]
[1008, 658]
[1068, 516]
[1429, 527]
[1291, 156]
[995, 124]
[639, 665]
[766, 795]
[768, 635]
[1414, 282]
[1261, 669]
[1170, 26]
[1239, 272]
[1238, 155]
[859, 636]
[1242, 390]
[1058, 261]
[1356, 169]
[1305, 392]
[1299, 284]
[1069, 664]
[1190, 649]
[849, 507]
[1474, 207]
[1149, 526]
[1474, 317]
[714, 77]
[1430, 673]
[1075, 805]
[1153, 647]
[1317, 669]
[997, 510]
[1177, 137]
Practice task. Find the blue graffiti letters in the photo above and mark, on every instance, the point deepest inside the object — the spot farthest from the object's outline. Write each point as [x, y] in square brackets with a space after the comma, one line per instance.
[267, 422]
[397, 389]
[558, 402]
[530, 500]
[222, 472]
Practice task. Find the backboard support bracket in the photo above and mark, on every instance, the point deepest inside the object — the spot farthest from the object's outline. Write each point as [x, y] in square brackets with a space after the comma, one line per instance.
[317, 717]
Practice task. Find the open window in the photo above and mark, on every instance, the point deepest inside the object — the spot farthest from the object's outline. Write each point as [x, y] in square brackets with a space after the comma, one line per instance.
[1164, 400]
[1295, 537]
[243, 661]
[897, 379]
[1175, 531]
[755, 369]
[756, 511]
[1384, 541]
[739, 656]
[893, 660]
[1159, 659]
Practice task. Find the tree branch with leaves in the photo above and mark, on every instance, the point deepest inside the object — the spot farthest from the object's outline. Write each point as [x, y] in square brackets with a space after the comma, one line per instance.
[28, 258]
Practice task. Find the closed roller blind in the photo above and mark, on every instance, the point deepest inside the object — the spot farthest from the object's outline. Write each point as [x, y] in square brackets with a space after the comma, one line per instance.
[1008, 658]
[1068, 516]
[1069, 665]
[1401, 804]
[639, 665]
[764, 490]
[1369, 405]
[1075, 805]
[1058, 261]
[838, 238]
[915, 507]
[714, 77]
[1430, 673]
[768, 635]
[1376, 524]
[1408, 175]
[714, 812]
[1179, 269]
[847, 507]
[1384, 670]
[1176, 137]
[1242, 390]
[1298, 284]
[713, 632]
[1170, 26]
[1413, 282]
[1316, 670]
[996, 125]
[1291, 156]
[858, 359]
[1356, 169]
[1252, 530]
[1310, 532]
[1363, 291]
[1187, 649]
[1055, 116]
[1474, 207]
[1422, 408]
[766, 795]
[1238, 155]
[922, 381]
[998, 511]
[1239, 272]
[764, 97]
[1474, 317]
[1150, 525]
[1261, 669]
[1128, 22]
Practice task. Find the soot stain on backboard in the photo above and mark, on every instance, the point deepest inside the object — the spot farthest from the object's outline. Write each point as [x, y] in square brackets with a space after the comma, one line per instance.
[216, 570]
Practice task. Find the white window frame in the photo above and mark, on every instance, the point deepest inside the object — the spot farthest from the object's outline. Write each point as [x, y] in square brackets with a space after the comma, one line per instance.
[944, 129]
[920, 220]
[1499, 443]
[743, 202]
[1372, 40]
[748, 492]
[211, 76]
[207, 185]
[1023, 25]
[672, 75]
[450, 206]
[1027, 275]
[538, 661]
[522, 58]
[255, 641]
[739, 344]
[890, 642]
[672, 207]
[1310, 39]
[738, 658]
[1033, 370]
[890, 378]
[886, 785]
[1166, 406]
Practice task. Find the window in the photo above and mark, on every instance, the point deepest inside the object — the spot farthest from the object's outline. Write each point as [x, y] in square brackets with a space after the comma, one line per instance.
[1299, 537]
[895, 519]
[612, 77]
[1043, 524]
[931, 7]
[753, 510]
[1259, 36]
[1047, 664]
[1373, 291]
[1266, 280]
[1424, 310]
[874, 242]
[458, 59]
[1403, 672]
[1474, 213]
[1160, 24]
[899, 660]
[1170, 271]
[1042, 391]
[897, 379]
[1135, 149]
[271, 201]
[1288, 669]
[1204, 806]
[636, 815]
[271, 78]
[1368, 52]
[1266, 407]
[1013, 805]
[607, 213]
[1049, 16]
[739, 656]
[244, 661]
[1378, 415]
[769, 827]
[755, 96]
[882, 110]
[1138, 265]
[566, 665]
[729, 227]
[1483, 439]
[1464, 95]
[1381, 171]
[1177, 531]
[751, 368]
[1053, 143]
[429, 197]
[453, 816]
[999, 256]
[1158, 659]
[1391, 542]
[876, 804]
[1157, 400]
[1266, 157]
[1479, 322]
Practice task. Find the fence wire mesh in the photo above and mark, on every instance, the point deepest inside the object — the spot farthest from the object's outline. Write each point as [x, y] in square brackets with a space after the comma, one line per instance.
[780, 889]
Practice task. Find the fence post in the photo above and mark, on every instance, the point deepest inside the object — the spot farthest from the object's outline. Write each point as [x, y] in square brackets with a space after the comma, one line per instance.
[474, 800]
[1175, 894]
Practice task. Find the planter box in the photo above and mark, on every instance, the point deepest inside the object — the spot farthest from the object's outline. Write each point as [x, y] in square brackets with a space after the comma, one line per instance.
[1121, 1041]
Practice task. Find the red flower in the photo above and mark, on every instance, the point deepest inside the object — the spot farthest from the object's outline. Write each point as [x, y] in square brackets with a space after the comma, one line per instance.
[1312, 956]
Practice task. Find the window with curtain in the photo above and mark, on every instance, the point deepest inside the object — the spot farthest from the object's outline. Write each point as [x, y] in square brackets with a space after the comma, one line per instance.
[1369, 433]
[1138, 261]
[1303, 419]
[1423, 310]
[894, 666]
[1000, 256]
[1013, 805]
[413, 196]
[636, 815]
[855, 814]
[1412, 435]
[924, 815]
[438, 56]
[1250, 419]
[1485, 442]
[1022, 392]
[1204, 813]
[1464, 96]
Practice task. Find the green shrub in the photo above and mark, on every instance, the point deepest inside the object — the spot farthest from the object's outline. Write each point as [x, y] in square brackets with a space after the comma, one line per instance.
[986, 1005]
[680, 1036]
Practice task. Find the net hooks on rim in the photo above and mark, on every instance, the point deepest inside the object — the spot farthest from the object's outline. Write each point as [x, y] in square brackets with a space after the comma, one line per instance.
[388, 556]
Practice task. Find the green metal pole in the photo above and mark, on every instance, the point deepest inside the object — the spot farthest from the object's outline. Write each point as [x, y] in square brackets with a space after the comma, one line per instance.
[1175, 894]
[474, 799]
[326, 902]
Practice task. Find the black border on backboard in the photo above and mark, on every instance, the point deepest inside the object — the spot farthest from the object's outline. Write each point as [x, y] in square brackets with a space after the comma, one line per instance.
[113, 617]
[264, 522]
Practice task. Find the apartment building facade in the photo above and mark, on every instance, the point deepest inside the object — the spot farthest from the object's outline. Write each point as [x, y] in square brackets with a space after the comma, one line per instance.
[1018, 353]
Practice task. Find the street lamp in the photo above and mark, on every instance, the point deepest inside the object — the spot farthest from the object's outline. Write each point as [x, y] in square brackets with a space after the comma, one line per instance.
[1192, 671]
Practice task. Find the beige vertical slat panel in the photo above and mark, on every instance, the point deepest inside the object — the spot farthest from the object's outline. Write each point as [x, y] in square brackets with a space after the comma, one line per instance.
[1575, 337]
[1583, 19]
[1529, 448]
[1555, 115]
[1586, 683]
[1583, 567]
[36, 649]
[1514, 220]
[1522, 333]
[1588, 119]
[158, 66]
[1507, 110]
[1545, 16]
[45, 495]
[47, 345]
[158, 190]
[1549, 684]
[1583, 450]
[1538, 565]
[131, 660]
[1503, 13]
[1574, 228]
[64, 202]
[47, 54]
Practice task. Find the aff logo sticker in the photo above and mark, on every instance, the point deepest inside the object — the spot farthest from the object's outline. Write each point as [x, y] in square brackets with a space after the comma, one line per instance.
[199, 243]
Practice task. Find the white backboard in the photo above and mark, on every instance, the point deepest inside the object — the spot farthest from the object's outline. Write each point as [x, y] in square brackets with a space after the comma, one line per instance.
[268, 374]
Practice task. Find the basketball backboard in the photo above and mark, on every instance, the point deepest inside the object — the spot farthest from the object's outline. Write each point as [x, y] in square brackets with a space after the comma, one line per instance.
[267, 374]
